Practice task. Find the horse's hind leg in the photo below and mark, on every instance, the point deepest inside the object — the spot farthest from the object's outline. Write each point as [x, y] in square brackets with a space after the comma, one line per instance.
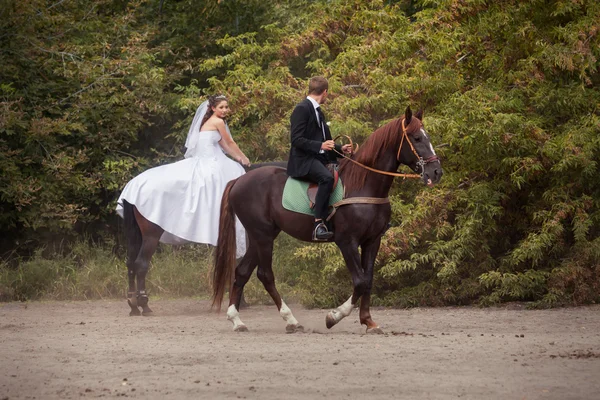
[242, 274]
[266, 276]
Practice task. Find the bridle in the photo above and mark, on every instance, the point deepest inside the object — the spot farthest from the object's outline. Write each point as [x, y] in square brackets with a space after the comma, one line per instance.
[384, 200]
[420, 161]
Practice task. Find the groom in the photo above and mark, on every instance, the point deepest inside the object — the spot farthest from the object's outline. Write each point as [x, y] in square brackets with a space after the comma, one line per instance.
[312, 149]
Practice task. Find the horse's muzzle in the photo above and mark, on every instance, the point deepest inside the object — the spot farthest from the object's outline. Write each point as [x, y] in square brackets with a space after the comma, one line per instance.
[433, 175]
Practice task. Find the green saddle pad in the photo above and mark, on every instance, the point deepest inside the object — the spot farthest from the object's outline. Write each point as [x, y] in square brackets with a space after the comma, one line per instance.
[296, 199]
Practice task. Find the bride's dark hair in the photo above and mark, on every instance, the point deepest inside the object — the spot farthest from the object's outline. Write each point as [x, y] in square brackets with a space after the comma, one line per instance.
[213, 101]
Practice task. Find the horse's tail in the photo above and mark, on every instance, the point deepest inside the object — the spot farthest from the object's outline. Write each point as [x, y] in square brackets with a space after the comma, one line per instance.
[224, 264]
[132, 229]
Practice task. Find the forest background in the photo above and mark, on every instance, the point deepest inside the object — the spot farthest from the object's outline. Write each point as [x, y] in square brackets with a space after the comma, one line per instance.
[94, 92]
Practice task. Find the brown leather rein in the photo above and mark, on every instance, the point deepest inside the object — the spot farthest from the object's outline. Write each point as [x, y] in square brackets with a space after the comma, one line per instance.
[380, 200]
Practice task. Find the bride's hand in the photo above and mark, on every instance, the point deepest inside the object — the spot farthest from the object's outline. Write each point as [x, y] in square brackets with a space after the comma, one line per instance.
[244, 161]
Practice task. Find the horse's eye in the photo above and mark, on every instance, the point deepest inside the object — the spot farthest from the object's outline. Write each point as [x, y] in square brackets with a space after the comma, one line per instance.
[418, 138]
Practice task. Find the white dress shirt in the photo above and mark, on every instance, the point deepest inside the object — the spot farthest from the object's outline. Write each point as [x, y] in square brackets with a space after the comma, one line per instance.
[315, 105]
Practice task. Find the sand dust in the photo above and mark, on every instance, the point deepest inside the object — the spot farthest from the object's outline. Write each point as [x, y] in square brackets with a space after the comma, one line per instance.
[66, 350]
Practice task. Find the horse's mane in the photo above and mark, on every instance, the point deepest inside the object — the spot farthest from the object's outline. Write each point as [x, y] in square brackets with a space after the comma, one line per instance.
[354, 176]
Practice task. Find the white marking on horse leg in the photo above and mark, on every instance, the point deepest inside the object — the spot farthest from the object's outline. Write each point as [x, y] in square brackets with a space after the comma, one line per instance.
[234, 316]
[346, 308]
[286, 314]
[339, 313]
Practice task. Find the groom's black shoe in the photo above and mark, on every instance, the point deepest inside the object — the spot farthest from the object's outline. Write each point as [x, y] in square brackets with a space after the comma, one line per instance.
[320, 232]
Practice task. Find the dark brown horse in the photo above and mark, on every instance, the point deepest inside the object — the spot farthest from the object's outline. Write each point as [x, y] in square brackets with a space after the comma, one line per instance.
[142, 240]
[256, 199]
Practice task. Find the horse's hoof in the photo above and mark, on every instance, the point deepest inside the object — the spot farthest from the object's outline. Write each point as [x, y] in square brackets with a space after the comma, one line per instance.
[240, 328]
[377, 330]
[330, 320]
[294, 328]
[132, 301]
[147, 311]
[134, 310]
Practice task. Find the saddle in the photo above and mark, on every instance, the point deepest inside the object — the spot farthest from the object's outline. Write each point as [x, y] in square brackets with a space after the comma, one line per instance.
[313, 187]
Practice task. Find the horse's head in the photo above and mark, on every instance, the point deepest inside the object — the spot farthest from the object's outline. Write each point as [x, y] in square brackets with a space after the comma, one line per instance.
[416, 150]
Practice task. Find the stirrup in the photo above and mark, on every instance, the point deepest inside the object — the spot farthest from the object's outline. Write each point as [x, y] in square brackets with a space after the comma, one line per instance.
[324, 235]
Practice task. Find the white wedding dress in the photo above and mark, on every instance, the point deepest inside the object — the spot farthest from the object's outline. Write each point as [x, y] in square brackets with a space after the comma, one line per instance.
[184, 198]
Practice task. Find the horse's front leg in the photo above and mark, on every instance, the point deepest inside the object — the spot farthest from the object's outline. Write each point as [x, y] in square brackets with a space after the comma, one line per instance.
[369, 254]
[133, 249]
[138, 262]
[131, 292]
[336, 315]
[352, 258]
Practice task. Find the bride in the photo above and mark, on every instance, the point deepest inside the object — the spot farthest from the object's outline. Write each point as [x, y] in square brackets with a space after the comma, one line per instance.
[184, 198]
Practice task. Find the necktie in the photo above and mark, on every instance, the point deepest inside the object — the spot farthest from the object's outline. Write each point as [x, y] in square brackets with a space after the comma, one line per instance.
[321, 116]
[321, 120]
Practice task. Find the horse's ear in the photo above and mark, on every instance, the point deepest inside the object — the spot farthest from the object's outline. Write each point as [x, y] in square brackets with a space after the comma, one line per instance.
[419, 114]
[407, 115]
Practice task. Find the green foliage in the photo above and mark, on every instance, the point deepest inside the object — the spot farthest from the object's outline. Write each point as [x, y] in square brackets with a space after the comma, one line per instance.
[528, 285]
[92, 271]
[93, 93]
[32, 278]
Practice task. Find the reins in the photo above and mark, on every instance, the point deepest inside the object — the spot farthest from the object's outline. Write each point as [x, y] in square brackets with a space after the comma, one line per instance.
[396, 174]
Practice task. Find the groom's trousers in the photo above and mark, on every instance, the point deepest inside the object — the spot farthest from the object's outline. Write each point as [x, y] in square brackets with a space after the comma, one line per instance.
[318, 173]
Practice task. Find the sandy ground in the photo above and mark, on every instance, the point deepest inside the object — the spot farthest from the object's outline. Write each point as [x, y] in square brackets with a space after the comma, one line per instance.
[66, 350]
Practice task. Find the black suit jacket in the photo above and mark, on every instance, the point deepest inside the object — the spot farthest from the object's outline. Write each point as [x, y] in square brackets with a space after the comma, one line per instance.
[306, 140]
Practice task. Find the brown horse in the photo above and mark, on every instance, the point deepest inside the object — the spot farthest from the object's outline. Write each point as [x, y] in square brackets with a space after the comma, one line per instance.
[142, 240]
[256, 199]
